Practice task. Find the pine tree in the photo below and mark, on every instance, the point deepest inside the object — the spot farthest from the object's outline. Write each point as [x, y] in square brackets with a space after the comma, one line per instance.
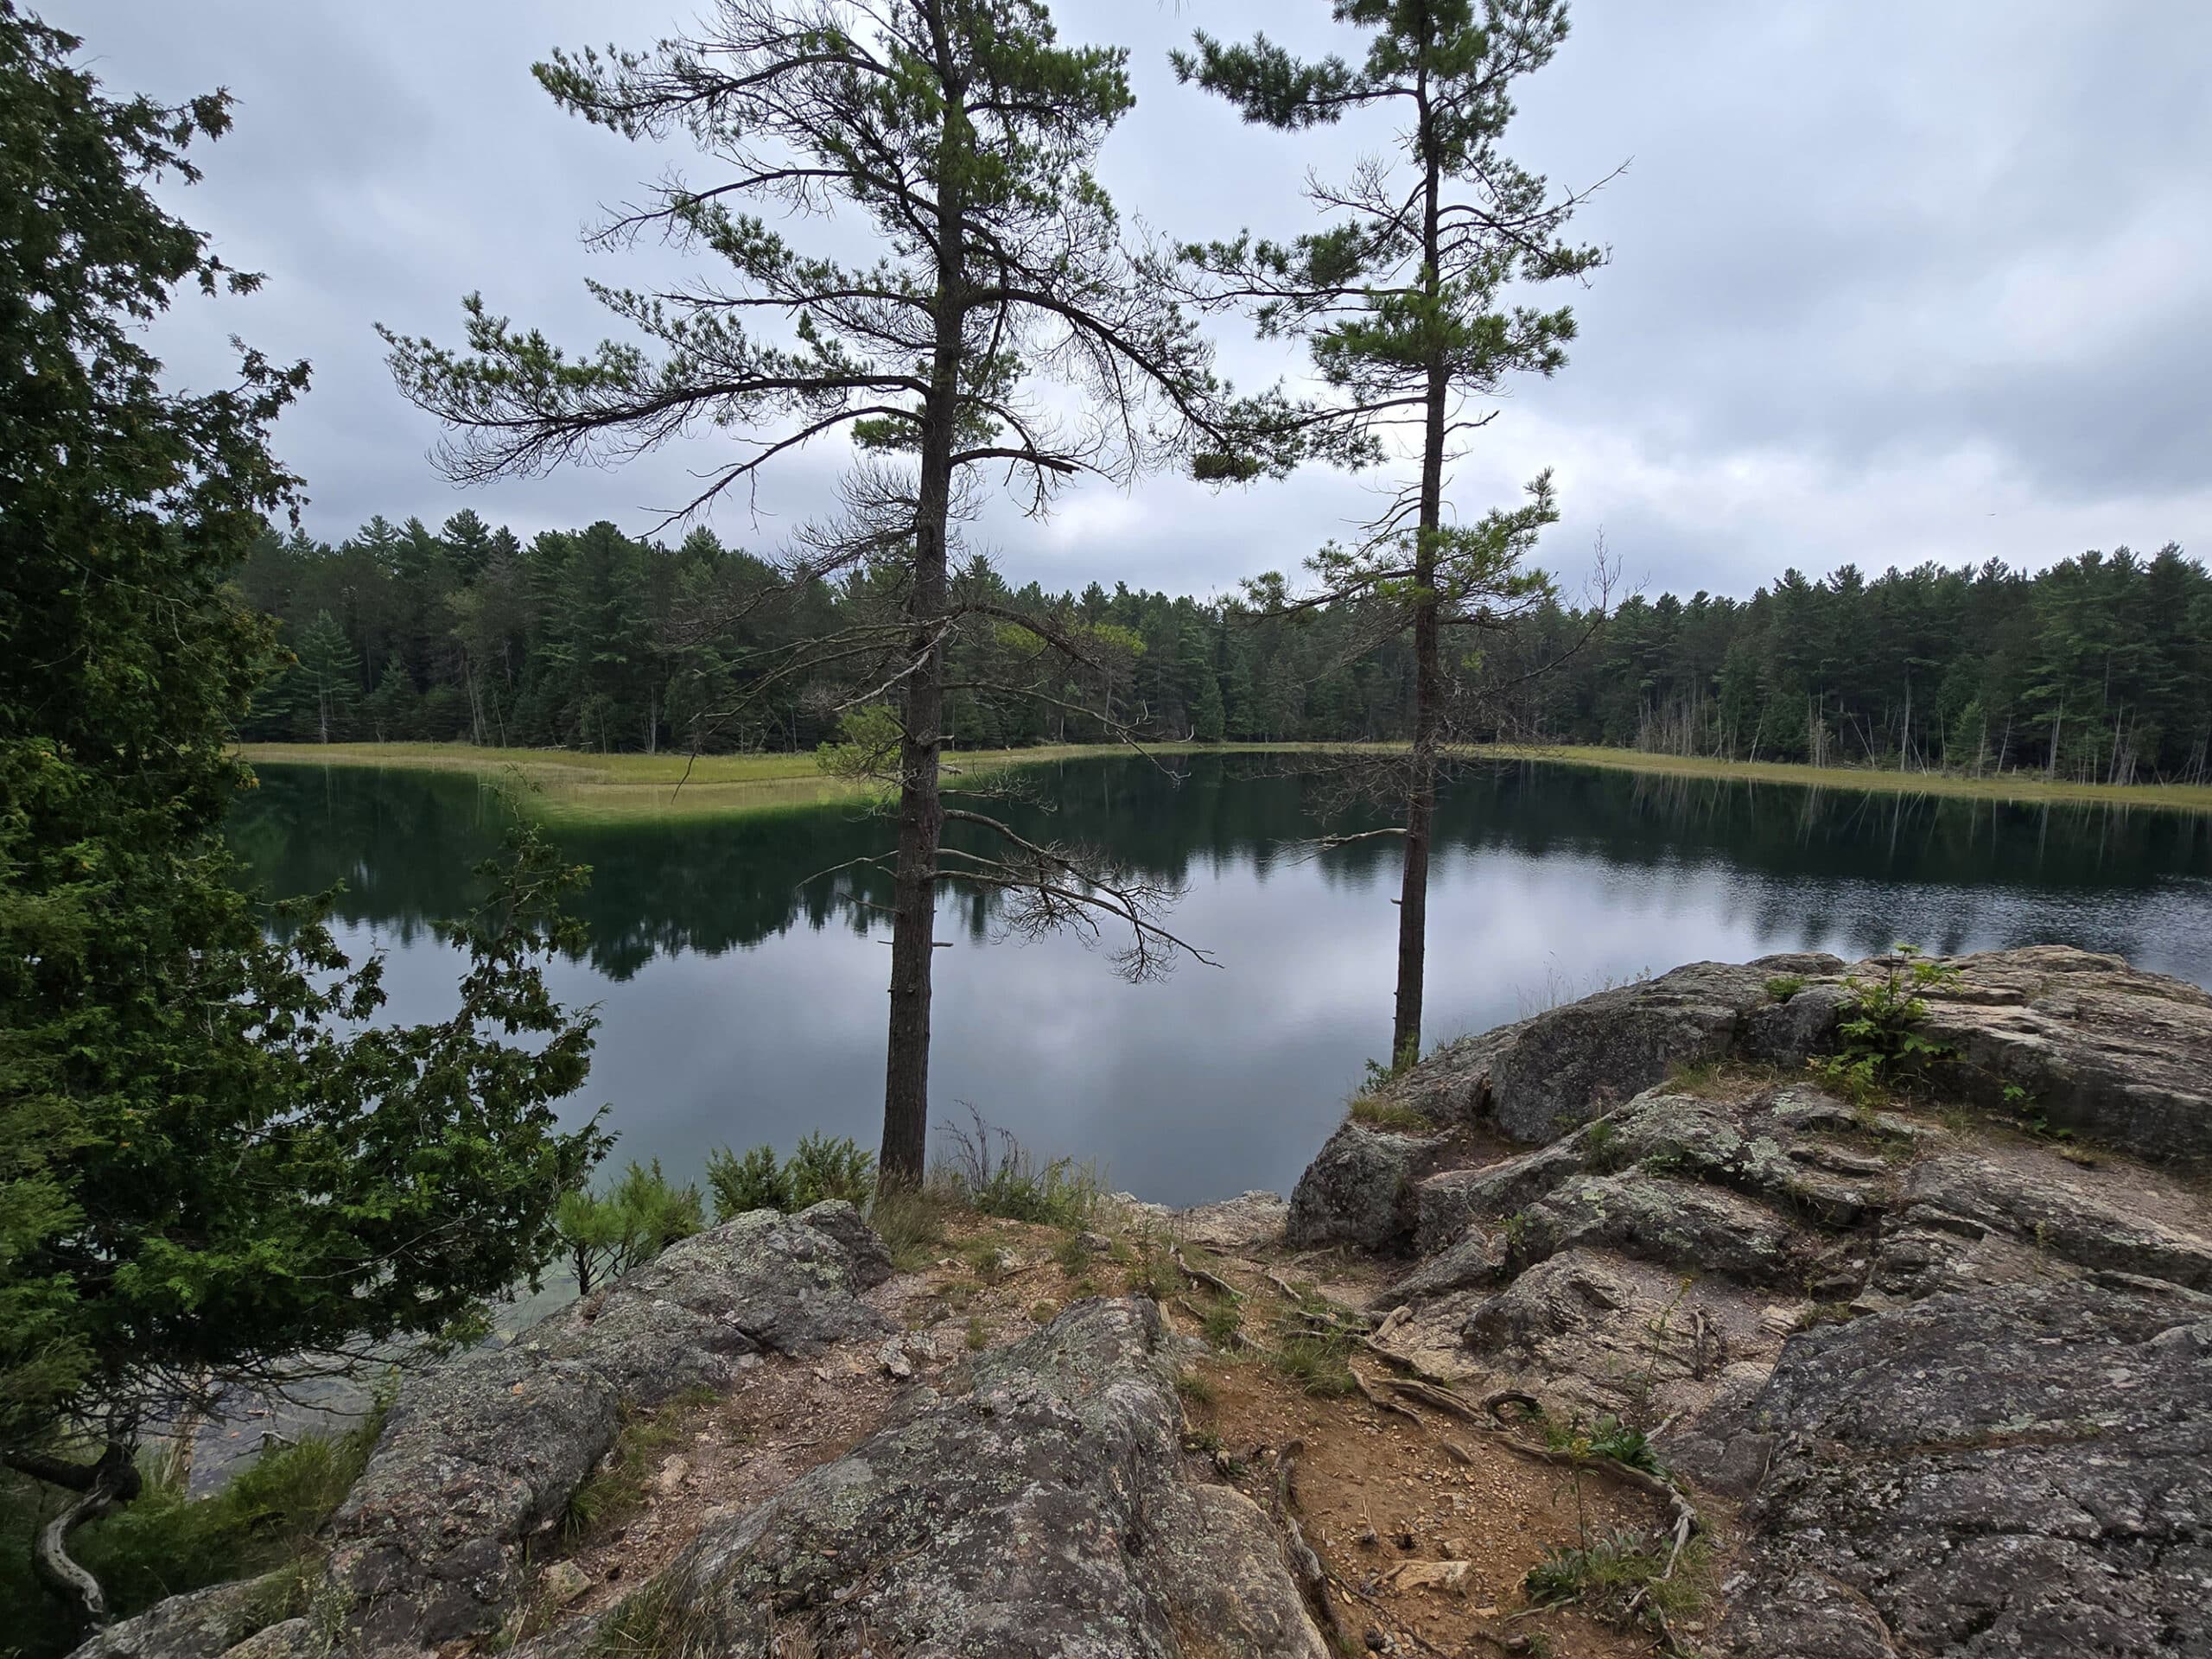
[326, 680]
[1400, 302]
[962, 131]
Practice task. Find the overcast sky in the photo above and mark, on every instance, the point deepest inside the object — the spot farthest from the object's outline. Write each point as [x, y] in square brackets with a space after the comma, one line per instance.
[1891, 280]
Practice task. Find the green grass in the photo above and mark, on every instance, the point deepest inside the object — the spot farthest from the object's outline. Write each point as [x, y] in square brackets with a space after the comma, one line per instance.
[564, 787]
[164, 1543]
[1618, 1579]
[616, 1490]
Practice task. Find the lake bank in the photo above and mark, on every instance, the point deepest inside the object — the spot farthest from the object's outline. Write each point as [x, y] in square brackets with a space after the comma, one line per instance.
[564, 785]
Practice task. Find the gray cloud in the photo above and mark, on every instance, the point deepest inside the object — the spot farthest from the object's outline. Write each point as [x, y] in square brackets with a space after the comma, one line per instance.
[1891, 280]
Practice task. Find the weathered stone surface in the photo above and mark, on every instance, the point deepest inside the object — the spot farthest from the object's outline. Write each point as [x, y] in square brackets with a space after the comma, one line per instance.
[1242, 1222]
[479, 1455]
[2094, 1045]
[1965, 1381]
[194, 1626]
[2026, 1470]
[1600, 1332]
[1043, 1512]
[1677, 1223]
[1963, 1221]
[1539, 1078]
[1359, 1189]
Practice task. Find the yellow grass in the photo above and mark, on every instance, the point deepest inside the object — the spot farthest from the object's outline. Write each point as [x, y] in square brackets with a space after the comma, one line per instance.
[560, 785]
[2012, 786]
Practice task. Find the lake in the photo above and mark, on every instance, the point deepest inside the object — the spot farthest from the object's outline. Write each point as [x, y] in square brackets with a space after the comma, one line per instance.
[741, 1004]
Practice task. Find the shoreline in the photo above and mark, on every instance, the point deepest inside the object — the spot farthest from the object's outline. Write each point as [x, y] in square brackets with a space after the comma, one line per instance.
[569, 787]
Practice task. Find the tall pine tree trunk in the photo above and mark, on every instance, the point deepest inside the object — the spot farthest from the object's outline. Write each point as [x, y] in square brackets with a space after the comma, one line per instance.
[1428, 665]
[905, 1152]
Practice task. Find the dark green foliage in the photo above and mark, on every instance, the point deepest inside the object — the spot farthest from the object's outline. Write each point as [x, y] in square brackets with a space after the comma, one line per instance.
[1879, 1044]
[212, 1161]
[1689, 676]
[822, 1168]
[819, 1169]
[1610, 1438]
[2097, 669]
[606, 1233]
[1783, 987]
[742, 1184]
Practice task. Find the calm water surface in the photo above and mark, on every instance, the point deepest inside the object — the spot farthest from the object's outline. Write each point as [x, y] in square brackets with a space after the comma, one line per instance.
[741, 1007]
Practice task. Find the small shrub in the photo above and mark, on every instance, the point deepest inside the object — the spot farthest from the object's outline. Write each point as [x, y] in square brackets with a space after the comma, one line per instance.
[1618, 1579]
[1825, 1313]
[1881, 1046]
[605, 1235]
[994, 1174]
[979, 1336]
[1222, 1323]
[164, 1543]
[1608, 1437]
[1380, 1072]
[1151, 1274]
[1073, 1255]
[1601, 1148]
[1377, 1112]
[1783, 987]
[742, 1185]
[821, 1169]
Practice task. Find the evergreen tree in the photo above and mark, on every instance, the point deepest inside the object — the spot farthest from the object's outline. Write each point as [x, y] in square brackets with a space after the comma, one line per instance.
[962, 131]
[214, 1163]
[325, 680]
[1400, 302]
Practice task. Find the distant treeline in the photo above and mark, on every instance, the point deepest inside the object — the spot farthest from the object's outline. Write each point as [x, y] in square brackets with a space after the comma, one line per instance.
[2097, 669]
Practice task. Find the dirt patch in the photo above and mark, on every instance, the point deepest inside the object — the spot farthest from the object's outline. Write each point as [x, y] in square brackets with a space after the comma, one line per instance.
[1427, 1530]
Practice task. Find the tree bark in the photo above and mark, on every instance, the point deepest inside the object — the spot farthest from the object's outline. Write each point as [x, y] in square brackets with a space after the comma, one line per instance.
[904, 1155]
[1428, 668]
[99, 1487]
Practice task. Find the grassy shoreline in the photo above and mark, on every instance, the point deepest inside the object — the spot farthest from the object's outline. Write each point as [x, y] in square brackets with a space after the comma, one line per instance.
[563, 787]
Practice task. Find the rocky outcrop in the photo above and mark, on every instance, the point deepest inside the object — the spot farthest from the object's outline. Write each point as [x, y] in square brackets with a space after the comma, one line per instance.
[1043, 1510]
[1959, 1374]
[2082, 1042]
[479, 1456]
[1358, 1190]
[2061, 1038]
[2021, 1471]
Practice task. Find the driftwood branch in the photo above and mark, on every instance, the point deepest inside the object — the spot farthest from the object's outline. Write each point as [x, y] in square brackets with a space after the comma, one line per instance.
[99, 1487]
